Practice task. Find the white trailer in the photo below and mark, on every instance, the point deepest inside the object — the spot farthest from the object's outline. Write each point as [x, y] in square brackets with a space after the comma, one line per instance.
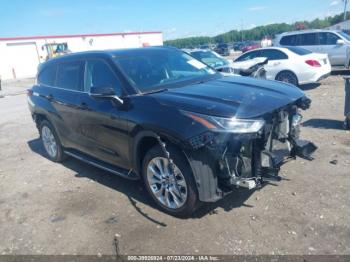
[20, 56]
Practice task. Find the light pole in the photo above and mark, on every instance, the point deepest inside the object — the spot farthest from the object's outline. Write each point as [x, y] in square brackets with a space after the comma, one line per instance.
[345, 5]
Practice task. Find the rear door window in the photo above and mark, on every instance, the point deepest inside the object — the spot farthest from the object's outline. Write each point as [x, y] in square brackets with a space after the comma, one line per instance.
[70, 75]
[308, 39]
[298, 50]
[47, 75]
[99, 74]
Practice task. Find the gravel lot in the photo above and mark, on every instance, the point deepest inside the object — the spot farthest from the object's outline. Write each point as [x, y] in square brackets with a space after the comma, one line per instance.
[73, 208]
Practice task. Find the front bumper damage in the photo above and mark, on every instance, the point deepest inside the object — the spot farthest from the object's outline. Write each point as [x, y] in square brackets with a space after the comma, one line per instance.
[224, 161]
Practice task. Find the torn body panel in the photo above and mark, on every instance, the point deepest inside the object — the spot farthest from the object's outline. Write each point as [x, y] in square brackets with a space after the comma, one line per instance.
[224, 161]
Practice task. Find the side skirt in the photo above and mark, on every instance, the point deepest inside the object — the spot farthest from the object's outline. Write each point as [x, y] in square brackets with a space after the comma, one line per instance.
[102, 165]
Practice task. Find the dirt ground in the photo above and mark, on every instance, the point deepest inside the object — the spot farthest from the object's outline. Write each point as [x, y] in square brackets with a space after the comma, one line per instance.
[73, 208]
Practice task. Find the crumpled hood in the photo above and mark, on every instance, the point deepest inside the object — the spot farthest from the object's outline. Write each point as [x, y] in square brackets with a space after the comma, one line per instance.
[240, 97]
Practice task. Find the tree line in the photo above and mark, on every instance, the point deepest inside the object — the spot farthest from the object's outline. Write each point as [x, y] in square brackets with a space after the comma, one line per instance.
[256, 33]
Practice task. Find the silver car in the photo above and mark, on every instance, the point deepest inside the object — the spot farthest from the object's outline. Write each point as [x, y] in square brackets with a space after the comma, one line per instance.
[334, 43]
[212, 59]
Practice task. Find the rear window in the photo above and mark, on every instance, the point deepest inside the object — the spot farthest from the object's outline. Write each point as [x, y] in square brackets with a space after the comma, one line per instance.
[70, 75]
[47, 75]
[273, 54]
[298, 50]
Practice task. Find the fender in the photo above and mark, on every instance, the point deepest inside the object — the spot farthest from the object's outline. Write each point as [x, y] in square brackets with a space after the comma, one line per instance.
[202, 166]
[41, 107]
[199, 161]
[135, 143]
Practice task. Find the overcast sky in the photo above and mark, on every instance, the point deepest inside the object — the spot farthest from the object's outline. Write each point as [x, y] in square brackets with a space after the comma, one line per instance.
[180, 18]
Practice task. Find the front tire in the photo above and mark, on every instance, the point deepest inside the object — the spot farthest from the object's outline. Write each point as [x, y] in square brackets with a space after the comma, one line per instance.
[51, 142]
[287, 77]
[175, 194]
[347, 123]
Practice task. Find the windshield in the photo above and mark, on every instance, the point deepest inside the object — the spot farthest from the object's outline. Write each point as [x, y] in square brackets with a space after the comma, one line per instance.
[210, 58]
[150, 69]
[298, 50]
[345, 35]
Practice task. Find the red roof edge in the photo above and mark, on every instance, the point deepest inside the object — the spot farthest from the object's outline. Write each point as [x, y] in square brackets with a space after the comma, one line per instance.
[71, 36]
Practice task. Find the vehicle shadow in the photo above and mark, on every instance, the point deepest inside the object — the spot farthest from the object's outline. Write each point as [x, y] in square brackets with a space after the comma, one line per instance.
[340, 72]
[309, 86]
[324, 123]
[135, 191]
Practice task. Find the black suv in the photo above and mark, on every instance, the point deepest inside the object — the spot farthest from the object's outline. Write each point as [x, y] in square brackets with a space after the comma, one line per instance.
[159, 115]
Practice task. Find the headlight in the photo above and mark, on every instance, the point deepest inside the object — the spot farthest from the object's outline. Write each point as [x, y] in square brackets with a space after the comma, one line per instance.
[222, 124]
[296, 120]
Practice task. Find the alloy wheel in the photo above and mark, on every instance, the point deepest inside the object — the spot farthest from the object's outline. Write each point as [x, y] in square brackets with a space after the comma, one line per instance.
[167, 186]
[49, 141]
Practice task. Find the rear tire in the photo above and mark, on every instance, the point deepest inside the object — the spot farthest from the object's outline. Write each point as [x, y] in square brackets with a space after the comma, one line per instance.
[287, 77]
[51, 142]
[178, 198]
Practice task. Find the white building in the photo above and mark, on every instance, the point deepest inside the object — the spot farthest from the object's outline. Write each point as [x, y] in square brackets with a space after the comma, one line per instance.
[343, 26]
[20, 56]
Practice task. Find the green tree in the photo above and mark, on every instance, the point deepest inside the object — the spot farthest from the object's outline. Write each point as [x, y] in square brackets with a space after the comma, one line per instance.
[256, 33]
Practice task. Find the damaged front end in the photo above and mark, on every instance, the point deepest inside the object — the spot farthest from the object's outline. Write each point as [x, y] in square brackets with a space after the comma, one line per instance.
[222, 161]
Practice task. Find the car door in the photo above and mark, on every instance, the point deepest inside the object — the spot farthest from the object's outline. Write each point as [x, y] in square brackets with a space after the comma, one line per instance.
[277, 61]
[62, 92]
[328, 45]
[102, 133]
[241, 61]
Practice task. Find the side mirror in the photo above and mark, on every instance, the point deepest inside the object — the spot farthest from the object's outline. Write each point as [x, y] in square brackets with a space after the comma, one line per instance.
[340, 42]
[104, 92]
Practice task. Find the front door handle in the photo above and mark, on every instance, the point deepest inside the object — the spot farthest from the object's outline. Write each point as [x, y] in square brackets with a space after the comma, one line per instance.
[83, 106]
[49, 97]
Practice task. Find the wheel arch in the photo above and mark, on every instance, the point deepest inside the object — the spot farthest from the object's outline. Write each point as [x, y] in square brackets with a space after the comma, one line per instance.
[145, 140]
[287, 71]
[38, 118]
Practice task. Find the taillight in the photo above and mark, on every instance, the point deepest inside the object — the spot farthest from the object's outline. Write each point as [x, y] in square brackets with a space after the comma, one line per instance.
[313, 63]
[29, 92]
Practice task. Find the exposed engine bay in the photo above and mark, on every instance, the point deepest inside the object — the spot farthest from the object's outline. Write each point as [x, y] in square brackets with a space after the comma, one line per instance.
[249, 160]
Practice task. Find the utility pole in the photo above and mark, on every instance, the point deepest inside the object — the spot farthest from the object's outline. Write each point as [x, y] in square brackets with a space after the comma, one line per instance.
[345, 5]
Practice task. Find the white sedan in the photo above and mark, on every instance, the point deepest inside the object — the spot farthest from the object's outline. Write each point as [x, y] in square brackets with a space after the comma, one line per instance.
[293, 65]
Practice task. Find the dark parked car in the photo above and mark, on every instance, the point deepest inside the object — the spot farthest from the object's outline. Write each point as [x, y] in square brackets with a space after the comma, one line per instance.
[223, 49]
[237, 46]
[159, 115]
[204, 47]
